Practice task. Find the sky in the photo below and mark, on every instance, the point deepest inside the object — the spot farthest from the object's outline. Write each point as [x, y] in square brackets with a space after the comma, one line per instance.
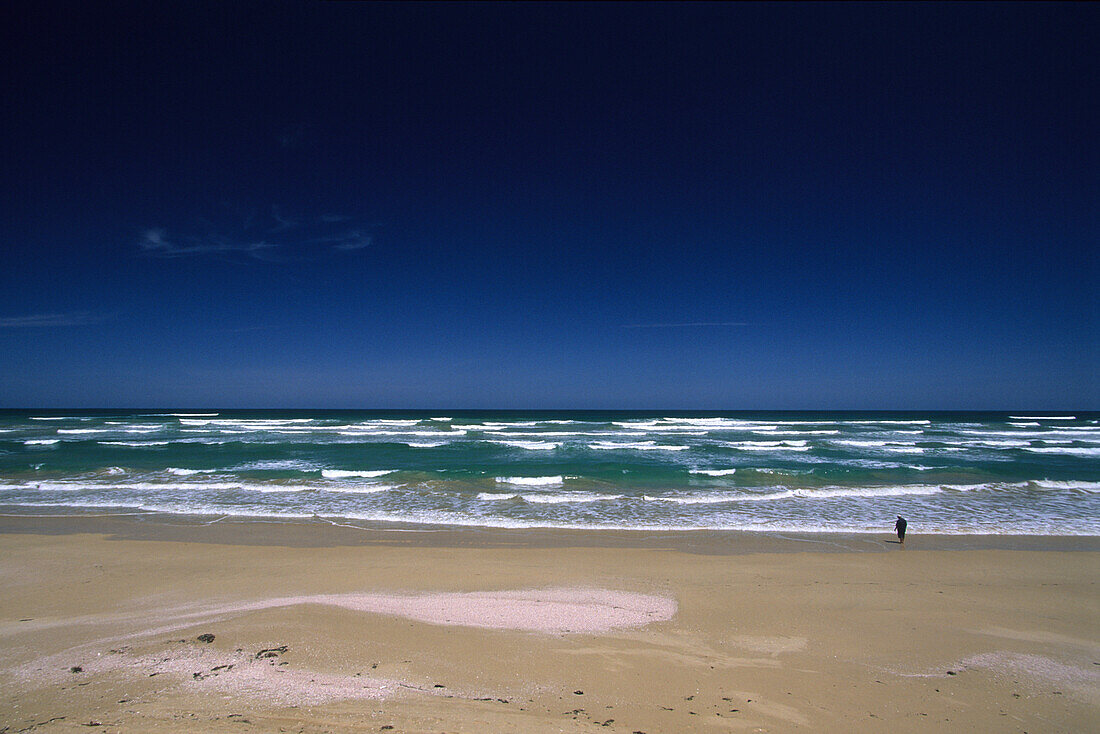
[653, 206]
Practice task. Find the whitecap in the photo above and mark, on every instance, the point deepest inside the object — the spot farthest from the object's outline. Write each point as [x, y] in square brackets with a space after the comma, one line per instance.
[341, 473]
[274, 488]
[713, 472]
[1043, 417]
[636, 446]
[1068, 450]
[822, 433]
[559, 499]
[852, 442]
[135, 444]
[889, 423]
[277, 465]
[715, 499]
[495, 497]
[355, 489]
[548, 499]
[767, 445]
[1053, 484]
[822, 493]
[532, 481]
[530, 445]
[41, 441]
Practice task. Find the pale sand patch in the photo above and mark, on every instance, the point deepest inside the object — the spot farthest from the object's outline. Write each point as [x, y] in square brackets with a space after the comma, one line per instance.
[555, 610]
[1039, 669]
[206, 671]
[550, 611]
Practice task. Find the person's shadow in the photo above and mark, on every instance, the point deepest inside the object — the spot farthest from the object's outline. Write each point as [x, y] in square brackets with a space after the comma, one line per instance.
[895, 542]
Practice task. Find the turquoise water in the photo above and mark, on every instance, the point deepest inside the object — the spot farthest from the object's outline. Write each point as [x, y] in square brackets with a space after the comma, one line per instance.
[1027, 473]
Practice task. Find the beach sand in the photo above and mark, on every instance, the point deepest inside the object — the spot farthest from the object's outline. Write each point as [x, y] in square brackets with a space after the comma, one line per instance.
[319, 628]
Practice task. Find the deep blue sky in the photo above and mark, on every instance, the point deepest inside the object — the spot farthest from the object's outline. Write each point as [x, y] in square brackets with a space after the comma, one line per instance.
[534, 206]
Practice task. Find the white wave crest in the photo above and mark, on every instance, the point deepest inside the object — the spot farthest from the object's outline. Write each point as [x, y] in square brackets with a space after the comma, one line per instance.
[1052, 484]
[767, 445]
[1068, 450]
[822, 493]
[277, 465]
[41, 441]
[1043, 417]
[714, 472]
[889, 423]
[714, 499]
[558, 499]
[532, 481]
[530, 445]
[342, 474]
[635, 446]
[357, 489]
[549, 499]
[135, 444]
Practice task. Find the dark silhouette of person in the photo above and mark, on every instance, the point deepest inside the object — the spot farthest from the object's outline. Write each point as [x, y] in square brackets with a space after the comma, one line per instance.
[900, 526]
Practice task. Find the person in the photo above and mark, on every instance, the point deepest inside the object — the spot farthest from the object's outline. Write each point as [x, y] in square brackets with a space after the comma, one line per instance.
[899, 526]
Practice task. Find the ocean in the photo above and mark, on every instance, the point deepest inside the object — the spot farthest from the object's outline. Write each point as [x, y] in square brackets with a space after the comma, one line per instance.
[954, 473]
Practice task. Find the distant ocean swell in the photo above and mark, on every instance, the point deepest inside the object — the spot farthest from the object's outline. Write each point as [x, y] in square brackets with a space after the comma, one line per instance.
[950, 473]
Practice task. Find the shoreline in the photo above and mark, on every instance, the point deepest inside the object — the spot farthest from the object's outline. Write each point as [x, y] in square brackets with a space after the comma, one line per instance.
[324, 533]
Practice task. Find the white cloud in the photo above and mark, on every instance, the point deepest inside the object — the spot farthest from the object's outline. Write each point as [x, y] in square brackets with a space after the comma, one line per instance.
[70, 318]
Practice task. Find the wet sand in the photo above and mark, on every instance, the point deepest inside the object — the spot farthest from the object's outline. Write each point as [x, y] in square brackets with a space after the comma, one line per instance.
[324, 628]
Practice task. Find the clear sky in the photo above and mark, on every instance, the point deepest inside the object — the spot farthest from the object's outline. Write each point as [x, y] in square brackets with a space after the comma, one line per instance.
[550, 206]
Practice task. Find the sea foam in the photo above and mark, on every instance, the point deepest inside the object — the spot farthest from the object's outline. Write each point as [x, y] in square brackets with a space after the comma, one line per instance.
[343, 474]
[532, 481]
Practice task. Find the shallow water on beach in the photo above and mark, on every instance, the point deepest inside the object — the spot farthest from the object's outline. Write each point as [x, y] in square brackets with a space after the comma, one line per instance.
[956, 473]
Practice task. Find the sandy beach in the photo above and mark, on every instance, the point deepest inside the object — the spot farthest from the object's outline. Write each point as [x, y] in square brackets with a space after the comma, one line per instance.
[105, 625]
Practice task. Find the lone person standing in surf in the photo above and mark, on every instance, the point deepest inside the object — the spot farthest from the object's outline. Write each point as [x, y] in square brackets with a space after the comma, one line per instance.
[899, 526]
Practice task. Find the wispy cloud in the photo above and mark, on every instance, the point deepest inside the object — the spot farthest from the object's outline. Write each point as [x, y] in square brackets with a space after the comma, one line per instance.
[353, 239]
[277, 238]
[689, 324]
[36, 320]
[157, 242]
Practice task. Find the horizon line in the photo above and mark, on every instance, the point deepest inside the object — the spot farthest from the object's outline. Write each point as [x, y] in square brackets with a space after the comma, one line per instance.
[574, 410]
